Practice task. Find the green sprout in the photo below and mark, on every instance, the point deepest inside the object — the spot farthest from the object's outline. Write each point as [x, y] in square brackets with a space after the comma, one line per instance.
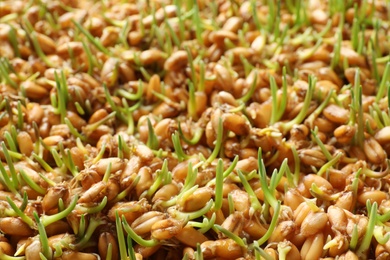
[152, 142]
[178, 147]
[336, 50]
[248, 95]
[139, 240]
[383, 83]
[131, 96]
[92, 210]
[198, 133]
[93, 224]
[272, 225]
[33, 37]
[162, 176]
[218, 143]
[31, 183]
[365, 244]
[4, 73]
[26, 219]
[13, 182]
[198, 22]
[91, 39]
[185, 216]
[46, 249]
[255, 204]
[218, 185]
[47, 220]
[278, 108]
[206, 224]
[285, 127]
[236, 238]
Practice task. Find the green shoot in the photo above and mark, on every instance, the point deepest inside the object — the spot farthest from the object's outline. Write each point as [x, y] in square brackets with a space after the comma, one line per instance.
[138, 239]
[47, 220]
[383, 83]
[46, 249]
[218, 185]
[231, 235]
[93, 224]
[255, 204]
[31, 183]
[366, 242]
[178, 147]
[152, 142]
[218, 143]
[91, 39]
[272, 225]
[185, 216]
[20, 213]
[92, 210]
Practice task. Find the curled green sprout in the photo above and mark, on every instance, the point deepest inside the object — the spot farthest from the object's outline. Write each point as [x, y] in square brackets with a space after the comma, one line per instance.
[196, 137]
[231, 235]
[272, 225]
[92, 210]
[139, 240]
[93, 224]
[47, 220]
[132, 96]
[206, 224]
[378, 234]
[376, 174]
[46, 249]
[316, 192]
[365, 244]
[191, 215]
